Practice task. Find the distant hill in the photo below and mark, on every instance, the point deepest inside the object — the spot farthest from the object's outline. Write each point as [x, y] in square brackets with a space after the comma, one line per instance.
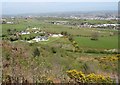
[104, 13]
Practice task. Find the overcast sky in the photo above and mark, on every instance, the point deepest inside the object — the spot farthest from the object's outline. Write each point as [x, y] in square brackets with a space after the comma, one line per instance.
[20, 7]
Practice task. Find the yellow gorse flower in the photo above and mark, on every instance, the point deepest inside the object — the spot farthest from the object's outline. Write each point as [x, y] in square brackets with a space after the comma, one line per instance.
[80, 77]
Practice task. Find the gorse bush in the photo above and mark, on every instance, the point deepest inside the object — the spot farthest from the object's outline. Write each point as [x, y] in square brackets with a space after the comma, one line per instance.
[108, 59]
[80, 77]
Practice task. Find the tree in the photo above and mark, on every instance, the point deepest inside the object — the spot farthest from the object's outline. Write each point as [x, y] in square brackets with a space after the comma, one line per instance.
[70, 38]
[9, 31]
[53, 50]
[14, 30]
[3, 22]
[94, 36]
[64, 33]
[36, 52]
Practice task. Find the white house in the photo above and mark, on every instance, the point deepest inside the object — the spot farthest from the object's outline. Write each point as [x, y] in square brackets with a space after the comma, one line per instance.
[36, 32]
[60, 35]
[40, 38]
[34, 28]
[56, 35]
[24, 33]
[9, 22]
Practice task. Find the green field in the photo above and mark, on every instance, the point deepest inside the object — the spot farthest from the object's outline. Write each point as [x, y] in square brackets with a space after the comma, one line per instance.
[23, 24]
[101, 43]
[44, 60]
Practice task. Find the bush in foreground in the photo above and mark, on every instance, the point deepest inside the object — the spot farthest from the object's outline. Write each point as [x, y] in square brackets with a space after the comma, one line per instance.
[80, 77]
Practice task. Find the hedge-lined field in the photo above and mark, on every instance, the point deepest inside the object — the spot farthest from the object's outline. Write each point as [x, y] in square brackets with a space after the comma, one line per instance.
[110, 42]
[48, 61]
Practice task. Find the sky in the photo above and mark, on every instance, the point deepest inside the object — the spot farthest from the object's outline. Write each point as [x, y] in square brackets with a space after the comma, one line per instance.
[59, 0]
[12, 7]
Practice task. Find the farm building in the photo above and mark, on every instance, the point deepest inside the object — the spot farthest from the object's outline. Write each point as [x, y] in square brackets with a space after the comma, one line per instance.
[24, 33]
[56, 35]
[40, 38]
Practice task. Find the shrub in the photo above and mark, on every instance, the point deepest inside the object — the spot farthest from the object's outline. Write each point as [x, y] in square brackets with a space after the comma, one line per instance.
[80, 77]
[91, 51]
[94, 36]
[36, 52]
[64, 33]
[7, 57]
[70, 39]
[53, 50]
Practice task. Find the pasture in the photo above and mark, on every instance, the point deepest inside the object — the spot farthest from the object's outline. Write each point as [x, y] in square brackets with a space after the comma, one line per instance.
[110, 42]
[57, 55]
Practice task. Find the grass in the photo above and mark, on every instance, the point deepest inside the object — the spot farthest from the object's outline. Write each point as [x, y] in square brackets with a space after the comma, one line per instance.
[56, 64]
[51, 40]
[110, 42]
[101, 21]
[48, 61]
[23, 24]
